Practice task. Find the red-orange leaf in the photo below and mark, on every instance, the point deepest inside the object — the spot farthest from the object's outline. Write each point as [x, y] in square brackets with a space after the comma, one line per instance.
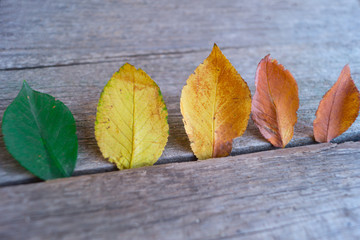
[338, 109]
[275, 102]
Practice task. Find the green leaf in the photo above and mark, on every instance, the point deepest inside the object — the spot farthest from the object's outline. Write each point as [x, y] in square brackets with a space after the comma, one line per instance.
[40, 133]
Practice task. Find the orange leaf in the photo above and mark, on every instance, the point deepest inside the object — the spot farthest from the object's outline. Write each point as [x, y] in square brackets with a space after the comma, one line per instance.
[275, 102]
[338, 108]
[215, 105]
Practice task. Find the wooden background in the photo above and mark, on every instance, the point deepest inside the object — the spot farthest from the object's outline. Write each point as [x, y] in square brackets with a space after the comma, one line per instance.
[70, 49]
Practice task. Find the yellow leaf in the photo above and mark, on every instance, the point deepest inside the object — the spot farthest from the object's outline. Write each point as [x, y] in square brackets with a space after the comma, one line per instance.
[215, 105]
[131, 126]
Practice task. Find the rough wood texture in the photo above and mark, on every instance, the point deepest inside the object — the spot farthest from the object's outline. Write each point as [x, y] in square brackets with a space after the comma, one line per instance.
[310, 192]
[87, 42]
[47, 33]
[80, 86]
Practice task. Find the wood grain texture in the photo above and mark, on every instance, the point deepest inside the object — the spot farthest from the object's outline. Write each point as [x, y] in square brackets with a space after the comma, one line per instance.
[96, 37]
[70, 49]
[49, 33]
[79, 87]
[309, 192]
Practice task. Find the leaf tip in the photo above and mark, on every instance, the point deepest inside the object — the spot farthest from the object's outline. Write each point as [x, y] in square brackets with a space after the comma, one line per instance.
[215, 48]
[127, 66]
[25, 85]
[266, 59]
[269, 59]
[346, 71]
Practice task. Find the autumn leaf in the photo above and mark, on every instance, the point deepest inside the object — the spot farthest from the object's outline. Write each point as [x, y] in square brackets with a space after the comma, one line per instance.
[338, 108]
[275, 102]
[215, 105]
[40, 133]
[131, 126]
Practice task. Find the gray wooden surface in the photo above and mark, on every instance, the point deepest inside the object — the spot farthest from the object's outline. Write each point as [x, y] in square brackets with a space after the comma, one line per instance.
[308, 192]
[313, 39]
[80, 86]
[70, 49]
[49, 33]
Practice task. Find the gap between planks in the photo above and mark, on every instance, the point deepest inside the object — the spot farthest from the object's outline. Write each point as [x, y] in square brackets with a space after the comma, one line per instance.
[174, 160]
[309, 192]
[79, 88]
[112, 59]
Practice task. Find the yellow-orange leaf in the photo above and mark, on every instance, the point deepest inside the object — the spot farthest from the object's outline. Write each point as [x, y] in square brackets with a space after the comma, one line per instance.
[215, 105]
[275, 102]
[131, 126]
[338, 109]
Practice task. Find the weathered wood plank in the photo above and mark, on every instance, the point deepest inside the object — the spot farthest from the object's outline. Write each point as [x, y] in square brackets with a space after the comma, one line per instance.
[80, 86]
[309, 192]
[47, 33]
